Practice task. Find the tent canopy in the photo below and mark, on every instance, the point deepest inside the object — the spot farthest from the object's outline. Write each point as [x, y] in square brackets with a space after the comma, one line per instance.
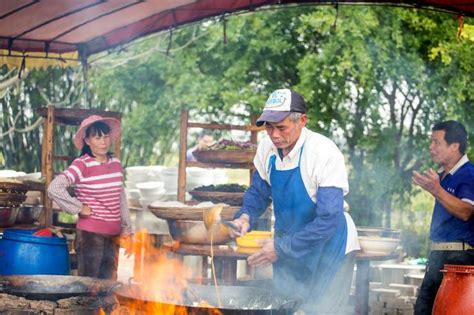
[91, 26]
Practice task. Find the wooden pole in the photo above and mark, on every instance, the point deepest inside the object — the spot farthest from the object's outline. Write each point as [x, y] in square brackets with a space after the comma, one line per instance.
[48, 147]
[253, 138]
[117, 145]
[183, 143]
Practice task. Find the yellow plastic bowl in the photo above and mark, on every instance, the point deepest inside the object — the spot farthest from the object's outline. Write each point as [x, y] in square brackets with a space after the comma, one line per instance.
[264, 234]
[249, 240]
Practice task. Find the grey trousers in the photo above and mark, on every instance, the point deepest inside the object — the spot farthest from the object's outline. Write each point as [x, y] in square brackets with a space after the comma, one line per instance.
[97, 255]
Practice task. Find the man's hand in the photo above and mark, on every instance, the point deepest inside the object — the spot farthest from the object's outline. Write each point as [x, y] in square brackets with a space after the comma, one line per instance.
[243, 224]
[429, 181]
[265, 256]
[85, 211]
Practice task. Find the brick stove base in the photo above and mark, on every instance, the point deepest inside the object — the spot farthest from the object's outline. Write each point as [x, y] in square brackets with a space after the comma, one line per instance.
[81, 305]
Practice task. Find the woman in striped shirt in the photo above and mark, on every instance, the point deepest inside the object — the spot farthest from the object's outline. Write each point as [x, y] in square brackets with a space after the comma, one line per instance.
[100, 198]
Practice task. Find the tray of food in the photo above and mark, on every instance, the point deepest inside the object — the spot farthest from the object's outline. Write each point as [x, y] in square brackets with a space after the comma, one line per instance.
[8, 185]
[227, 151]
[175, 210]
[11, 199]
[231, 194]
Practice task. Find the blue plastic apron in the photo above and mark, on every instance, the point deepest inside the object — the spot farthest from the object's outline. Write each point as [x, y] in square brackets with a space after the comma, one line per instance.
[309, 276]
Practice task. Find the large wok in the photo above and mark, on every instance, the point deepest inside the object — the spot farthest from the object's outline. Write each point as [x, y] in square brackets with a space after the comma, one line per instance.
[53, 287]
[235, 300]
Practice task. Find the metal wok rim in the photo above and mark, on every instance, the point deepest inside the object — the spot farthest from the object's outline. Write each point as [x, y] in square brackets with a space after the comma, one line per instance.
[55, 287]
[288, 302]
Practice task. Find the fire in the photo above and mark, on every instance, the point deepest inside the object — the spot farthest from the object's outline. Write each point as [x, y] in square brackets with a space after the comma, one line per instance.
[160, 282]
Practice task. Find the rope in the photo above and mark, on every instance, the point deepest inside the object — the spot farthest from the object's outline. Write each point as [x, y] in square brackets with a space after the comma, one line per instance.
[8, 74]
[118, 61]
[13, 80]
[29, 128]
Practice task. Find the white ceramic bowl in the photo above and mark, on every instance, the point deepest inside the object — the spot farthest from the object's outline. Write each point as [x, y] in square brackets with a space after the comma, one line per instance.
[158, 195]
[133, 193]
[145, 202]
[134, 202]
[150, 187]
[138, 173]
[137, 169]
[130, 184]
[173, 171]
[378, 245]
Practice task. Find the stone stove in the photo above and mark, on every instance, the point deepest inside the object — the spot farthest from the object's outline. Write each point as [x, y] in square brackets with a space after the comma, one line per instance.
[80, 305]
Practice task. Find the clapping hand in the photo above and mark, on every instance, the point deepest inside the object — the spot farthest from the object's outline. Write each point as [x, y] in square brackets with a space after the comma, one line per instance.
[428, 180]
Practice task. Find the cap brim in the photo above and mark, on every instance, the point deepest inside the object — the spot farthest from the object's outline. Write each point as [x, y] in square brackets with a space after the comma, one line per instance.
[271, 116]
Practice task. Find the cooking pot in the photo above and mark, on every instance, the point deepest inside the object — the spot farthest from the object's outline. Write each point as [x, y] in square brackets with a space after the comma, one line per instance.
[53, 287]
[28, 214]
[195, 232]
[234, 299]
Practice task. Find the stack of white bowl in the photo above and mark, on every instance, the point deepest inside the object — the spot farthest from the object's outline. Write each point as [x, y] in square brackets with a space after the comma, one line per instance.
[220, 177]
[150, 191]
[169, 177]
[134, 175]
[197, 176]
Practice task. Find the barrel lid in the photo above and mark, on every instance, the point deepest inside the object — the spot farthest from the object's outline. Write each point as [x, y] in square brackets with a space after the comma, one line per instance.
[458, 268]
[26, 236]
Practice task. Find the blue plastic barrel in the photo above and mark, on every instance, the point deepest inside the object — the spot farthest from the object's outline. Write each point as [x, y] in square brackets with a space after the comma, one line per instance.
[22, 253]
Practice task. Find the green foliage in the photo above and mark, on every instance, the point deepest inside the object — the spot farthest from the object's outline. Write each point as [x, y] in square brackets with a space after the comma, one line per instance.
[414, 218]
[22, 150]
[375, 80]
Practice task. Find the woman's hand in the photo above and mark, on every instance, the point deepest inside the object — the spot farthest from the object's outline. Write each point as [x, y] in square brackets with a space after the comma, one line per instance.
[243, 224]
[126, 241]
[85, 211]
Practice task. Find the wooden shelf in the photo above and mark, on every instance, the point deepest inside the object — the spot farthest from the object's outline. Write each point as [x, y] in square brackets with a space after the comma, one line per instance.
[74, 116]
[220, 165]
[34, 186]
[183, 146]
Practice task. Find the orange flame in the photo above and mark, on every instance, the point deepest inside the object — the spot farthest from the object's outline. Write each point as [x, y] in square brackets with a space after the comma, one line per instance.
[160, 281]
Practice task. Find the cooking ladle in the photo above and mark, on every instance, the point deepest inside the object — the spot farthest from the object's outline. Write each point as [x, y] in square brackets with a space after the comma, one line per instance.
[212, 216]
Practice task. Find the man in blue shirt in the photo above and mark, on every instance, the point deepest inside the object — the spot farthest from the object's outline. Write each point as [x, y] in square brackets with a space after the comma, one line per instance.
[452, 225]
[303, 173]
[204, 140]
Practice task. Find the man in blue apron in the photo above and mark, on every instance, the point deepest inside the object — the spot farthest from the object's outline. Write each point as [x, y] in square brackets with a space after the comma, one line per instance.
[304, 175]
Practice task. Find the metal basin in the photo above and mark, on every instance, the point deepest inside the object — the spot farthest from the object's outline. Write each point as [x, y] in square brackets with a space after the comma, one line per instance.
[28, 214]
[194, 232]
[8, 216]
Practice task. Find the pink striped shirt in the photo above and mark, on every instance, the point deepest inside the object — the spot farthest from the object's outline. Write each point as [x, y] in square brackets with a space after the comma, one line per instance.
[98, 185]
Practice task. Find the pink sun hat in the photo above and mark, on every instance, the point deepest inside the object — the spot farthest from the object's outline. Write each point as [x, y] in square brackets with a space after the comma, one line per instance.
[113, 123]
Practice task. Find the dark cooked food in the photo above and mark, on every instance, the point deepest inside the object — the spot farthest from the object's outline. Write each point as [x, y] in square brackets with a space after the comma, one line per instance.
[231, 145]
[223, 188]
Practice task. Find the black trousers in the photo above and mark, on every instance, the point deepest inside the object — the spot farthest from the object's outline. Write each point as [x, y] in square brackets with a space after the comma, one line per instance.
[433, 276]
[97, 255]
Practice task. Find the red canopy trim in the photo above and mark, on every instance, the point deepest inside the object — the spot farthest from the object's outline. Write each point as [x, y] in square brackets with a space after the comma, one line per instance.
[91, 26]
